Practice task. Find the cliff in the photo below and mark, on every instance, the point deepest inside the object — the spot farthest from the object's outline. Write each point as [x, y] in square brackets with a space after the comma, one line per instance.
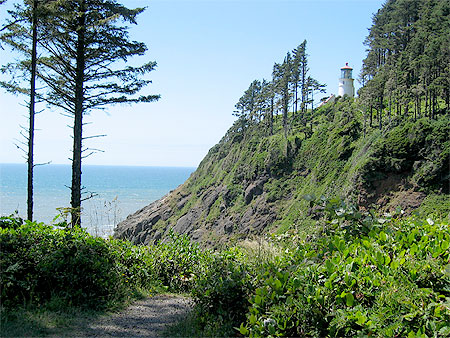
[252, 182]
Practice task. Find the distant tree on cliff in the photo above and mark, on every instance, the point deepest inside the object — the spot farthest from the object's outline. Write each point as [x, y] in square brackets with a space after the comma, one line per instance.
[296, 73]
[313, 86]
[281, 78]
[87, 43]
[267, 99]
[299, 71]
[289, 80]
[247, 105]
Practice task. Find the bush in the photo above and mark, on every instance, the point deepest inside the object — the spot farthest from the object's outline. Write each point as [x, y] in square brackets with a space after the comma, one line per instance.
[39, 262]
[366, 276]
[222, 291]
[178, 262]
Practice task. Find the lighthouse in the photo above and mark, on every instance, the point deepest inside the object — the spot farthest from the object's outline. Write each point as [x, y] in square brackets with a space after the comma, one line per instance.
[346, 82]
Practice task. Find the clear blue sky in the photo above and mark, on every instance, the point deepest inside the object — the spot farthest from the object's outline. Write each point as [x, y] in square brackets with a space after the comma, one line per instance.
[207, 52]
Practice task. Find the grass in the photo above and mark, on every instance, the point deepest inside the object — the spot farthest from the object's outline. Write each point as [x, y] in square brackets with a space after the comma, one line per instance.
[43, 321]
[56, 318]
[190, 326]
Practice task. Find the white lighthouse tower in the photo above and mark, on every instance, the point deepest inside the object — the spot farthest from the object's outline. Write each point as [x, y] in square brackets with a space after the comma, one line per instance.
[346, 82]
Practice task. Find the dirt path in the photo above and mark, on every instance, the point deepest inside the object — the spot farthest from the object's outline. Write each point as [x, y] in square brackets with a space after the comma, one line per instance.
[145, 318]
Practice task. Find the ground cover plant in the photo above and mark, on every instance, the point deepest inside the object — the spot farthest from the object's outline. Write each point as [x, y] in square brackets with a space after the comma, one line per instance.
[358, 275]
[355, 274]
[362, 275]
[49, 274]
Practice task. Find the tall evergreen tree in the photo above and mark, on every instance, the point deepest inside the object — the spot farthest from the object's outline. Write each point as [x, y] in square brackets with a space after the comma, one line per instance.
[268, 103]
[21, 33]
[82, 68]
[248, 104]
[281, 79]
[297, 71]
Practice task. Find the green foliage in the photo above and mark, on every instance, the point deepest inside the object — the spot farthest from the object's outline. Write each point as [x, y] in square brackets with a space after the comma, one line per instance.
[339, 154]
[364, 276]
[40, 263]
[178, 262]
[421, 147]
[435, 206]
[406, 68]
[360, 275]
[222, 291]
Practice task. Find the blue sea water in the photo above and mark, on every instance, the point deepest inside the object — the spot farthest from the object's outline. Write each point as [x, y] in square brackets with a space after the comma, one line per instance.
[118, 191]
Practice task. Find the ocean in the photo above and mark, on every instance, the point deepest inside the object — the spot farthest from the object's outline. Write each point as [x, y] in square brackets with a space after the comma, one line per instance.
[118, 191]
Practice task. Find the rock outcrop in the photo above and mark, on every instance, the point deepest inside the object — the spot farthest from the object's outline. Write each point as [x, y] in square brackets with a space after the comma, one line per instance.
[209, 220]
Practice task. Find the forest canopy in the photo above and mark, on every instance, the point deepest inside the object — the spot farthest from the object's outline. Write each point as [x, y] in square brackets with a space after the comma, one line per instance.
[407, 68]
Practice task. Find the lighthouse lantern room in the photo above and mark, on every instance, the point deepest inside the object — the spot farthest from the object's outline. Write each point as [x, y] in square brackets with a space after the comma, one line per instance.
[346, 82]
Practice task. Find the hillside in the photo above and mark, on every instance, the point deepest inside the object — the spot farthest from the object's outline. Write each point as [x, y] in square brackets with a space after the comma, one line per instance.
[252, 182]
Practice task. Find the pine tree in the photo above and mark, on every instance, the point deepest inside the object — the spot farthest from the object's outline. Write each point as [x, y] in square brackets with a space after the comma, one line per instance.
[87, 42]
[281, 78]
[25, 19]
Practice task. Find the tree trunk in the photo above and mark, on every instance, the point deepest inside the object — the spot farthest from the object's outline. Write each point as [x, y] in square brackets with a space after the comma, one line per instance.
[419, 103]
[415, 109]
[390, 109]
[364, 125]
[30, 161]
[285, 117]
[295, 102]
[271, 116]
[434, 104]
[380, 124]
[78, 119]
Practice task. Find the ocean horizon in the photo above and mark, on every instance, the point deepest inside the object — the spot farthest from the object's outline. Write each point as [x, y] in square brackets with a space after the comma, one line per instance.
[118, 191]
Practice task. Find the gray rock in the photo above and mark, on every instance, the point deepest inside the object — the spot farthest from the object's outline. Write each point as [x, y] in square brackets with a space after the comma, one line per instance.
[185, 222]
[182, 202]
[140, 227]
[228, 227]
[210, 197]
[255, 189]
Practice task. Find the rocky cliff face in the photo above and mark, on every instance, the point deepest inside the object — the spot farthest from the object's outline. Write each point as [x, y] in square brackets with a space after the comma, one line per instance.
[154, 221]
[252, 182]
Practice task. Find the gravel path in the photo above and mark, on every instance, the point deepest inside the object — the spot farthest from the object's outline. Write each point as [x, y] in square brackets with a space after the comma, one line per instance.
[145, 318]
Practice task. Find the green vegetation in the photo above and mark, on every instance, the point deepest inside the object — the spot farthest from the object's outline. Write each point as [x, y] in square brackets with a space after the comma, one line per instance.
[361, 275]
[387, 148]
[406, 70]
[53, 276]
[404, 164]
[356, 274]
[320, 267]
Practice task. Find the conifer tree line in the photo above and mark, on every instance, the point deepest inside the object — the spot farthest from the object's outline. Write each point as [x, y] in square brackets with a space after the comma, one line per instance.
[291, 89]
[407, 68]
[74, 56]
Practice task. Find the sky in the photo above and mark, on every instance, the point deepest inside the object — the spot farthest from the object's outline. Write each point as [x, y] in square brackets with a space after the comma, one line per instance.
[208, 52]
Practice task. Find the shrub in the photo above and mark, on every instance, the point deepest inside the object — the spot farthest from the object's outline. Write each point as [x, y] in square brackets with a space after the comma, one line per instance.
[178, 262]
[39, 262]
[222, 291]
[366, 276]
